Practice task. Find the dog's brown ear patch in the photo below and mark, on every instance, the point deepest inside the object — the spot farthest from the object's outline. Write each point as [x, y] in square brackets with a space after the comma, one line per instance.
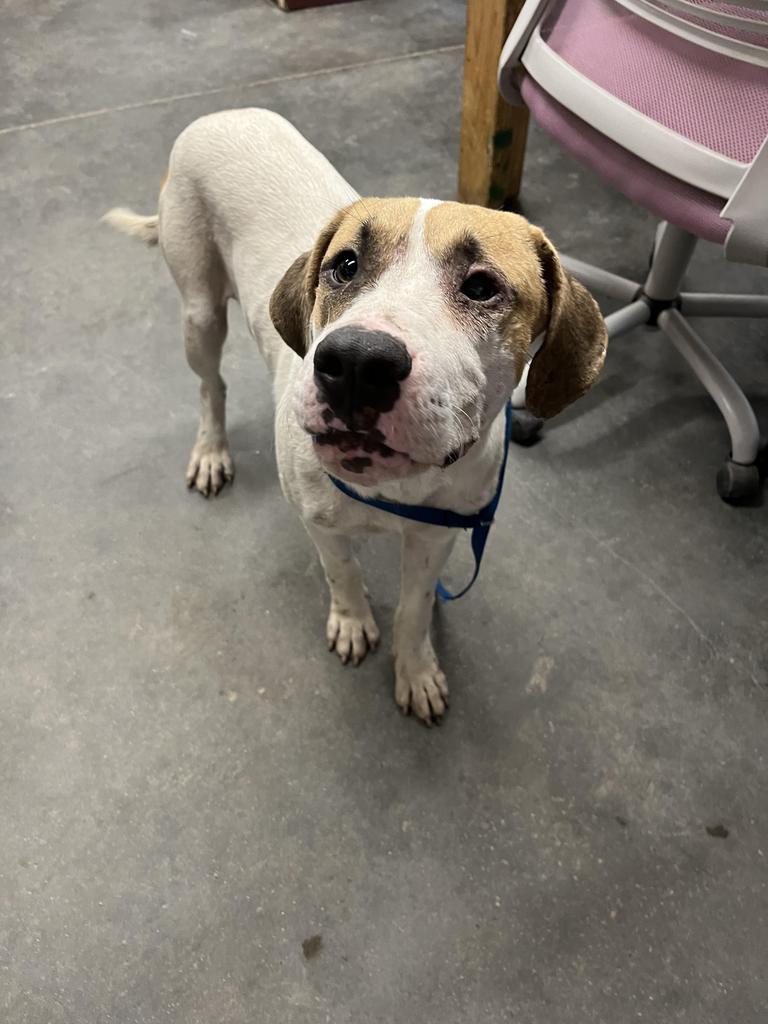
[290, 305]
[292, 301]
[573, 351]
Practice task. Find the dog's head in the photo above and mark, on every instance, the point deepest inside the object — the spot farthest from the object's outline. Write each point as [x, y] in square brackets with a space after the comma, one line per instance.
[414, 319]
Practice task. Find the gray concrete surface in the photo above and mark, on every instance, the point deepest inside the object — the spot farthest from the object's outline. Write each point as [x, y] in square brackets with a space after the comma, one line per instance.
[205, 818]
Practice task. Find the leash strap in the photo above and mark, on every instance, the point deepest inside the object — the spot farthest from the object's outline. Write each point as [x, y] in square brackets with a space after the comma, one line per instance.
[478, 522]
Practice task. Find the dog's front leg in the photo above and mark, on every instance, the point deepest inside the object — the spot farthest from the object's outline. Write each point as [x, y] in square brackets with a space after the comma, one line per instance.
[351, 628]
[419, 683]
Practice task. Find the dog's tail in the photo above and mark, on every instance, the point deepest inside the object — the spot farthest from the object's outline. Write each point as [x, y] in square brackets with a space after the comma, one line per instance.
[133, 224]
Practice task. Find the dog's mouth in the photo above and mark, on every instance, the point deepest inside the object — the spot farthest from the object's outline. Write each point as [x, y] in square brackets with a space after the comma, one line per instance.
[359, 449]
[370, 441]
[361, 452]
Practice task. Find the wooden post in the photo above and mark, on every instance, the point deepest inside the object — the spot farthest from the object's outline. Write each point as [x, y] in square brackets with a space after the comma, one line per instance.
[493, 133]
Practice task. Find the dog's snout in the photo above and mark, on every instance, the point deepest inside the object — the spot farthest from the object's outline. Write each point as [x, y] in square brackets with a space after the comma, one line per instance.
[358, 369]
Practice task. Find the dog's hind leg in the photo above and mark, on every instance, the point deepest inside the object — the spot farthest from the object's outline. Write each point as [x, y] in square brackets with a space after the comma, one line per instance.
[205, 330]
[199, 273]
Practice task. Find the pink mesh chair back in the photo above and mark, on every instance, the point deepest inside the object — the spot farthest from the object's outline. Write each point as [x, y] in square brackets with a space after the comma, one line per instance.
[715, 100]
[666, 99]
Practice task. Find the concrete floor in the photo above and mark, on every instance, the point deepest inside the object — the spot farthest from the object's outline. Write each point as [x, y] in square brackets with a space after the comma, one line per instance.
[205, 818]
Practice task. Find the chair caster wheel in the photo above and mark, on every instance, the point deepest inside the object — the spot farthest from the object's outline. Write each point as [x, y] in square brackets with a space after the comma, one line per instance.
[526, 427]
[737, 483]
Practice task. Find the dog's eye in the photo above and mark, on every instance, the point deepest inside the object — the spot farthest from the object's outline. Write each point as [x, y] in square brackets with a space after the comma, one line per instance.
[344, 267]
[480, 287]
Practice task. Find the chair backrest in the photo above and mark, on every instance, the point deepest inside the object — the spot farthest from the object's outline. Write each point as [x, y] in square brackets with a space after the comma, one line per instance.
[682, 84]
[737, 30]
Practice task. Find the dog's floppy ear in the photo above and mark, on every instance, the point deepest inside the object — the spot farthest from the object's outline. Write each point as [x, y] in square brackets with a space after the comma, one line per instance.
[573, 350]
[292, 301]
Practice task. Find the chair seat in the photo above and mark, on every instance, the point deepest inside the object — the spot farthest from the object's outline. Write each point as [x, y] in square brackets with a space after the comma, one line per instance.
[667, 197]
[709, 98]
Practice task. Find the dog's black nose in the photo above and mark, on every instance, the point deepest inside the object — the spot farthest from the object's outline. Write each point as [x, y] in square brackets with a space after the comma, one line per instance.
[358, 373]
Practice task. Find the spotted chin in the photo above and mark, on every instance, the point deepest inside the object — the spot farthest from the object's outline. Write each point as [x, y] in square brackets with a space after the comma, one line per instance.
[359, 451]
[364, 458]
[371, 442]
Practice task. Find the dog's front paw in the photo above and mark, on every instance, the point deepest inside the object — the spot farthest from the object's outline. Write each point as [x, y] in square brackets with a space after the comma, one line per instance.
[210, 467]
[420, 687]
[351, 636]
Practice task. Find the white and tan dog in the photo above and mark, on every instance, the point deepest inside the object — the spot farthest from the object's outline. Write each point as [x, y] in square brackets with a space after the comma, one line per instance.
[395, 330]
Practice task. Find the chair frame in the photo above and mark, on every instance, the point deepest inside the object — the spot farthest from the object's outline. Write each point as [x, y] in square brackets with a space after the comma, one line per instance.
[658, 301]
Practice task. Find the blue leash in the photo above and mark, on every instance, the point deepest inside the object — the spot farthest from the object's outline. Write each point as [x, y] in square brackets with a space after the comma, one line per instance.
[479, 522]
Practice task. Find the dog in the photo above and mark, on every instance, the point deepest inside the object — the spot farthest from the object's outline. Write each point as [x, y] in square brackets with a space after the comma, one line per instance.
[395, 331]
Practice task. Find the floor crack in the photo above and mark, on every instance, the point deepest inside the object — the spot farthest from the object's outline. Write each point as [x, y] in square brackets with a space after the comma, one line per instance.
[295, 76]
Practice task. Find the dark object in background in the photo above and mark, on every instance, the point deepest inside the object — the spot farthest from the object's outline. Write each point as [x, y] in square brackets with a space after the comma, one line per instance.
[298, 5]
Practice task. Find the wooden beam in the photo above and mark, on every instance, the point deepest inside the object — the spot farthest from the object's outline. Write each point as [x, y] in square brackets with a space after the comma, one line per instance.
[493, 133]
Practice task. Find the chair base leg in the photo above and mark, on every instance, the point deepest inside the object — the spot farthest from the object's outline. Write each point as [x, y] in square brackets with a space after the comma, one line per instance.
[659, 302]
[730, 399]
[739, 479]
[602, 281]
[737, 484]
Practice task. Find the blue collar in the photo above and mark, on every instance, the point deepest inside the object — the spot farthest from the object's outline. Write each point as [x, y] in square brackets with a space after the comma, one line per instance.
[479, 522]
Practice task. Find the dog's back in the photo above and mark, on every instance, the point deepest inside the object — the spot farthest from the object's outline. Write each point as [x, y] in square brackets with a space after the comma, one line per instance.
[245, 194]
